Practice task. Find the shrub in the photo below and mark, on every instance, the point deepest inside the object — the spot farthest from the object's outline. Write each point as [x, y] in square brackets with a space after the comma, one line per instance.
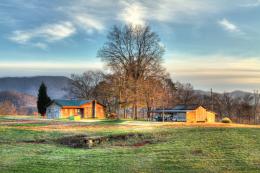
[226, 120]
[71, 117]
[112, 116]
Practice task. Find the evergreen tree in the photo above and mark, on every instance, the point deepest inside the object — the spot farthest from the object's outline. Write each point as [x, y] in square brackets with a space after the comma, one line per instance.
[43, 99]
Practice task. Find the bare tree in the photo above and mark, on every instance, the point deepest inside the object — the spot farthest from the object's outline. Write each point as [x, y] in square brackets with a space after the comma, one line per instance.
[136, 53]
[218, 104]
[227, 102]
[7, 108]
[185, 93]
[83, 86]
[246, 106]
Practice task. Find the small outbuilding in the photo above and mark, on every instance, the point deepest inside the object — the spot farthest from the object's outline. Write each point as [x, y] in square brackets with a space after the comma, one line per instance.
[84, 109]
[184, 113]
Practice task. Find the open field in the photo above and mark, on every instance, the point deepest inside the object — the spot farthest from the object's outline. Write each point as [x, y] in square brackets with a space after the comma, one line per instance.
[30, 144]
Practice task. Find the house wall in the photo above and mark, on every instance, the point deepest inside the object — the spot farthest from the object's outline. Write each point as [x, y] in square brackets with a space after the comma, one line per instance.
[100, 111]
[68, 111]
[200, 115]
[210, 117]
[88, 110]
[191, 117]
[53, 111]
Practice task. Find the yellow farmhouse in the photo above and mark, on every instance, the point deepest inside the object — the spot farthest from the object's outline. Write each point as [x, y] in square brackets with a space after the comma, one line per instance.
[184, 113]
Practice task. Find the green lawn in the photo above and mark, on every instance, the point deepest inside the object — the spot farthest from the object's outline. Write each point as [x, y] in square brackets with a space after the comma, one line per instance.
[195, 149]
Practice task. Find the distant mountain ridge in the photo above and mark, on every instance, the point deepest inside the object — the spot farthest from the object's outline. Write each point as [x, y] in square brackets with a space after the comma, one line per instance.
[56, 85]
[234, 94]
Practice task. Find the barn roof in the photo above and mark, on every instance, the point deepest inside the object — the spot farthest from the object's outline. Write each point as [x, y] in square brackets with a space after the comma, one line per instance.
[177, 109]
[71, 102]
[185, 107]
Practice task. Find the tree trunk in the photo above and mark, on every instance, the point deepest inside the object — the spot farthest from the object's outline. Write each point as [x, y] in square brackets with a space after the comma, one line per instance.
[148, 113]
[135, 111]
[125, 113]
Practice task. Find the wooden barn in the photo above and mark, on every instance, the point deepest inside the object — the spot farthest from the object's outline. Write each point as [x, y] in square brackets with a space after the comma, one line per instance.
[184, 113]
[85, 109]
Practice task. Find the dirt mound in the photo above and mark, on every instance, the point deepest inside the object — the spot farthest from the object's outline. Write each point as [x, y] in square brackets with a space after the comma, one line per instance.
[84, 141]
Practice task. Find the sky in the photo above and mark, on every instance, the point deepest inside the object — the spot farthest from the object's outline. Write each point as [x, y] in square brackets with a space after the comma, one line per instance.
[209, 43]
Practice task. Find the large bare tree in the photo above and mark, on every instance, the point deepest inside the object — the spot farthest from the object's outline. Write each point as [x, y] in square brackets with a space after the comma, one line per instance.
[83, 86]
[135, 52]
[185, 93]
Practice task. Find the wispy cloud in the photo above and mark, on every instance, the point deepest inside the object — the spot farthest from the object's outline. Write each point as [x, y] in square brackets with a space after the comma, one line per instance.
[172, 11]
[229, 26]
[89, 16]
[88, 23]
[29, 68]
[219, 72]
[256, 3]
[46, 33]
[49, 65]
[40, 45]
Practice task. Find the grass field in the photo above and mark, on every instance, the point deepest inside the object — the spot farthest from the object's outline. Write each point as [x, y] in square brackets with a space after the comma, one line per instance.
[30, 145]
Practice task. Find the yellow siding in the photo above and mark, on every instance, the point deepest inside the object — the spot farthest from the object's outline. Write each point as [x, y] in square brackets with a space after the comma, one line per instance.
[191, 117]
[200, 115]
[210, 117]
[64, 113]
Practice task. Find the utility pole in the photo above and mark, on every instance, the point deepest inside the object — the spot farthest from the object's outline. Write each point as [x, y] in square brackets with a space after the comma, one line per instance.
[163, 113]
[256, 103]
[211, 95]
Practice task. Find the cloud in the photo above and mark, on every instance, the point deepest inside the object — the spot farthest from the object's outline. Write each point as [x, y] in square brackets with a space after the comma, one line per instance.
[47, 33]
[220, 72]
[181, 11]
[40, 45]
[88, 16]
[29, 68]
[253, 4]
[229, 26]
[133, 13]
[88, 23]
[21, 37]
[172, 11]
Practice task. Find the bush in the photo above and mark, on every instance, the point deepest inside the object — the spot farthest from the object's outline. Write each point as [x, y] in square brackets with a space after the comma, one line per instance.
[71, 117]
[226, 120]
[112, 116]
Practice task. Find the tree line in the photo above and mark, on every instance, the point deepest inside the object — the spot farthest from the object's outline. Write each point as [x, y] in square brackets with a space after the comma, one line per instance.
[136, 80]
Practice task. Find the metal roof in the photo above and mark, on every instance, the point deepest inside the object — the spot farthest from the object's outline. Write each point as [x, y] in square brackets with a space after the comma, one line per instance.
[71, 102]
[185, 107]
[169, 111]
[177, 109]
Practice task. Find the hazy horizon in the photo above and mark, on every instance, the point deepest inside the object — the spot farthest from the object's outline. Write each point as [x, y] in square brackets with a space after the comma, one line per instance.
[210, 44]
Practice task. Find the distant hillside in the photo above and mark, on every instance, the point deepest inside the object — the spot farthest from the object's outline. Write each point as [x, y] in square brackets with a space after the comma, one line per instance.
[234, 94]
[30, 85]
[24, 103]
